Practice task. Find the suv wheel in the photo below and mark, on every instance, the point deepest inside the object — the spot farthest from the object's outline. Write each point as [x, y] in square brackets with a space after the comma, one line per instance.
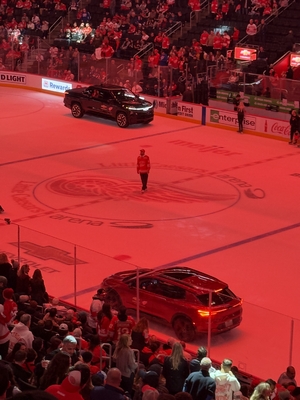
[77, 110]
[122, 120]
[184, 329]
[113, 298]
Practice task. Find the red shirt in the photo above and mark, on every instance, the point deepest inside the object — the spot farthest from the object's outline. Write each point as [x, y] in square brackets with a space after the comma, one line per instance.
[226, 41]
[151, 60]
[138, 64]
[107, 52]
[27, 4]
[117, 327]
[203, 38]
[214, 7]
[235, 36]
[217, 45]
[156, 59]
[165, 42]
[225, 8]
[102, 329]
[174, 62]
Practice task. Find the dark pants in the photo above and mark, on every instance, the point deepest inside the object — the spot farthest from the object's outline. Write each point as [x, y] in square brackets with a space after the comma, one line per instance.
[144, 179]
[127, 383]
[4, 349]
[240, 120]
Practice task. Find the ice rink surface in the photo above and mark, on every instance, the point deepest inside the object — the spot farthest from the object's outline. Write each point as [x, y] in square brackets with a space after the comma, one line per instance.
[218, 201]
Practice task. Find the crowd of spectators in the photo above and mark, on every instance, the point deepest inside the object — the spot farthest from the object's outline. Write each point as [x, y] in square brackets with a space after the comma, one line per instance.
[104, 354]
[102, 43]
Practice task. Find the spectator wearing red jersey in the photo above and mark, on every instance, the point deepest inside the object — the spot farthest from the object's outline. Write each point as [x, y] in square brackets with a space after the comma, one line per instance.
[95, 348]
[120, 324]
[60, 6]
[156, 58]
[225, 43]
[151, 60]
[27, 6]
[214, 8]
[19, 4]
[225, 9]
[195, 7]
[158, 40]
[107, 51]
[71, 386]
[138, 67]
[235, 36]
[165, 44]
[106, 4]
[203, 39]
[217, 43]
[174, 64]
[267, 10]
[103, 321]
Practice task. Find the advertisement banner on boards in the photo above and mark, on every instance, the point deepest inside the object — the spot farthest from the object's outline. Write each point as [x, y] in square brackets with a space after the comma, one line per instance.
[267, 126]
[189, 110]
[229, 118]
[10, 77]
[55, 86]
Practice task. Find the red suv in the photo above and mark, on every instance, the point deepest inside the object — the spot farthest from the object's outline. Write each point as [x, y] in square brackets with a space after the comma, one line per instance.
[180, 296]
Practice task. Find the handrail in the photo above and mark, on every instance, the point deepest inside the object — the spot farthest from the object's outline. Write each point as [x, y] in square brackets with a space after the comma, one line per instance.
[204, 6]
[145, 50]
[174, 28]
[53, 26]
[269, 19]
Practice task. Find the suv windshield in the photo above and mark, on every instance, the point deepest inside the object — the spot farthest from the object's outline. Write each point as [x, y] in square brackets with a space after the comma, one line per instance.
[123, 94]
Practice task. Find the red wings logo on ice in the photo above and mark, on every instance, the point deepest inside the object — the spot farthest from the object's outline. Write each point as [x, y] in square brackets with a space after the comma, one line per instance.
[283, 130]
[107, 189]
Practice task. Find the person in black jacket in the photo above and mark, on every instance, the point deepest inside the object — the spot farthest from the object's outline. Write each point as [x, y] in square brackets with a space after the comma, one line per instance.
[294, 123]
[5, 265]
[199, 384]
[175, 369]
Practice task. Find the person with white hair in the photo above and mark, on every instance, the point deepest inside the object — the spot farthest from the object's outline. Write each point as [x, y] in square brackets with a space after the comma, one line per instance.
[200, 384]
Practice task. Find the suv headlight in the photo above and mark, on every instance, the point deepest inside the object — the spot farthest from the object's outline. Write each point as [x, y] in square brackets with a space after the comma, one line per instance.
[147, 108]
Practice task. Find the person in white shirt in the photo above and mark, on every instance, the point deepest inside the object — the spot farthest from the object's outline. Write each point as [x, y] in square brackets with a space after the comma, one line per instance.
[226, 382]
[21, 332]
[136, 88]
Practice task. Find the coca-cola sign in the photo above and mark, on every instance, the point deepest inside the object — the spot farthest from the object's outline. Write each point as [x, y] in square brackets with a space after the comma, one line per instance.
[280, 129]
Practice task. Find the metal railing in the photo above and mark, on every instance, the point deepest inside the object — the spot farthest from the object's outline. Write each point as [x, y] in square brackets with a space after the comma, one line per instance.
[174, 28]
[145, 50]
[54, 26]
[204, 7]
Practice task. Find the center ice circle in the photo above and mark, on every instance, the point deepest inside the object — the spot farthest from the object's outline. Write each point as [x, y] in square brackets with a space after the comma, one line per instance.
[112, 193]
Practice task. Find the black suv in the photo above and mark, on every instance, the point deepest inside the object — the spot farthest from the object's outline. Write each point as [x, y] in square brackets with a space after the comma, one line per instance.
[109, 101]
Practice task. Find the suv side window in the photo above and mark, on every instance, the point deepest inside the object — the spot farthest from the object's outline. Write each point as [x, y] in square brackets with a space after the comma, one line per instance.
[171, 291]
[104, 96]
[162, 288]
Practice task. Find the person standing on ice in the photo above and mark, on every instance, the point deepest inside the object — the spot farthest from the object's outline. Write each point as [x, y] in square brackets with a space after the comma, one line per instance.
[143, 168]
